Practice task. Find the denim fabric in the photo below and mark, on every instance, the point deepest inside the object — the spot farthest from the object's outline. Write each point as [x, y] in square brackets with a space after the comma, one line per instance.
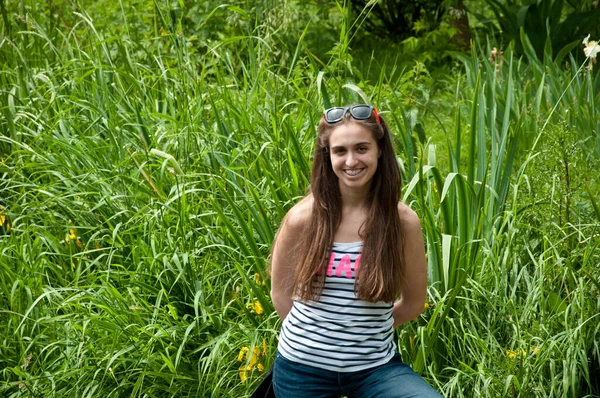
[394, 379]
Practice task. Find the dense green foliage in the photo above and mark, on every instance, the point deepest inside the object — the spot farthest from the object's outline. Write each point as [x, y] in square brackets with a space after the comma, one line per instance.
[149, 151]
[552, 26]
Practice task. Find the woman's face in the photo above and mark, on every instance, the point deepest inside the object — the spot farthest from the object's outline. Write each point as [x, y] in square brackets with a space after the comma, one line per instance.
[353, 152]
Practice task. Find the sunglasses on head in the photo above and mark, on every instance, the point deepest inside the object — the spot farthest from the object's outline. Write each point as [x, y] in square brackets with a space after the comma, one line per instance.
[358, 112]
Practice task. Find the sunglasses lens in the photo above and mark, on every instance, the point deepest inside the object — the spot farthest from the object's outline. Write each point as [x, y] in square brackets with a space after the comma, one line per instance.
[358, 112]
[361, 112]
[334, 115]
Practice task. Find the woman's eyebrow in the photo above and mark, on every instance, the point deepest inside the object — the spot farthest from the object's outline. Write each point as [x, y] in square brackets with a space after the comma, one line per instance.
[357, 144]
[367, 143]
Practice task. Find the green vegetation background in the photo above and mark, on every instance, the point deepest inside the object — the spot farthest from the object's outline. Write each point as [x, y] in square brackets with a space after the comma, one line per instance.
[149, 150]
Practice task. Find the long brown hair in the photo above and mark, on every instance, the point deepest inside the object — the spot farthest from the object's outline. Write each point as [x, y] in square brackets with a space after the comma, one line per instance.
[382, 263]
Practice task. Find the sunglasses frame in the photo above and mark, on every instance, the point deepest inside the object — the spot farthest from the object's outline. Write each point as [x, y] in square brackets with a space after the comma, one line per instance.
[372, 110]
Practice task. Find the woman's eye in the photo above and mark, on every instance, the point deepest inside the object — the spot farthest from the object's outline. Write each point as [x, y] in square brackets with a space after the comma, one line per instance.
[362, 149]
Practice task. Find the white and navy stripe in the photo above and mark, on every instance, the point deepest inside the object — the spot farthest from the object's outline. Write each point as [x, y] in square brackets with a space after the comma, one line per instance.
[339, 332]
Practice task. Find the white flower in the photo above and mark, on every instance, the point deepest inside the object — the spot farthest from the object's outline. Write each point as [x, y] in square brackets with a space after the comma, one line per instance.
[592, 48]
[585, 41]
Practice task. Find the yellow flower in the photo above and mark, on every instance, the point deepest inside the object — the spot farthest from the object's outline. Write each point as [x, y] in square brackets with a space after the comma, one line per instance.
[256, 307]
[72, 234]
[258, 280]
[426, 305]
[243, 353]
[243, 374]
[253, 358]
[511, 354]
[4, 220]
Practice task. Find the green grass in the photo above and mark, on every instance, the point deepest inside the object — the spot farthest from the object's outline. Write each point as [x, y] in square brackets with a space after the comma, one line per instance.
[172, 164]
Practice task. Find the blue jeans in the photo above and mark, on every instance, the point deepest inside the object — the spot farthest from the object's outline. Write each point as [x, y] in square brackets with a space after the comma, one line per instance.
[394, 379]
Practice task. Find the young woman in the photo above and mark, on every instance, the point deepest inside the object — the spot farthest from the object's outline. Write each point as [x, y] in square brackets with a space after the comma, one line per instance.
[342, 258]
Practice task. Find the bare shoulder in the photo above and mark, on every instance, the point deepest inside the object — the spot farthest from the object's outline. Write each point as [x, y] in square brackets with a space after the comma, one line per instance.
[298, 216]
[407, 215]
[408, 218]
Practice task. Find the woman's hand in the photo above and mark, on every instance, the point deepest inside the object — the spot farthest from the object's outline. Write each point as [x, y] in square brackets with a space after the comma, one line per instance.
[414, 284]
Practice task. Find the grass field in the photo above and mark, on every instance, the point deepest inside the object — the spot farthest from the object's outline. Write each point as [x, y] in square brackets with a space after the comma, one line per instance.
[144, 172]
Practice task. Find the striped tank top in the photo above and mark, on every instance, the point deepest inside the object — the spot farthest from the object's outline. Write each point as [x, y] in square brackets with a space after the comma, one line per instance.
[339, 332]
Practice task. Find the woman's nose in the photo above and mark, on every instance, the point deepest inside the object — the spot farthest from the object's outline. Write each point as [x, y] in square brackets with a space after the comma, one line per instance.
[351, 159]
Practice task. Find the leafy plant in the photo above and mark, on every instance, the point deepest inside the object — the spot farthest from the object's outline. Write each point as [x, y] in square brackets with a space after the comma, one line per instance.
[142, 179]
[562, 23]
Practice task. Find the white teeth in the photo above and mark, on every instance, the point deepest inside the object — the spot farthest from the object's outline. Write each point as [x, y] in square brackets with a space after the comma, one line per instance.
[353, 172]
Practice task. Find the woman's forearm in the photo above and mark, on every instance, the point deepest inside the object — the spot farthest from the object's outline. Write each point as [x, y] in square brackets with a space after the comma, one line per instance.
[283, 305]
[405, 311]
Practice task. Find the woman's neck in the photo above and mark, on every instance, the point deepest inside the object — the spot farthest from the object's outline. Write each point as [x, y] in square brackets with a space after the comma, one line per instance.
[354, 199]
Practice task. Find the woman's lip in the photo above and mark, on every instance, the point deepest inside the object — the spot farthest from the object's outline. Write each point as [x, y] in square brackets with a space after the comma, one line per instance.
[357, 171]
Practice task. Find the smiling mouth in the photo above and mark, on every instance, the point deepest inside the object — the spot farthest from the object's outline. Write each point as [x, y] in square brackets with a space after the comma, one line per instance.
[353, 172]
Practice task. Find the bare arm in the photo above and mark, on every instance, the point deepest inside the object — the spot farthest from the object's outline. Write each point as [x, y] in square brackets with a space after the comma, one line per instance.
[283, 258]
[414, 285]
